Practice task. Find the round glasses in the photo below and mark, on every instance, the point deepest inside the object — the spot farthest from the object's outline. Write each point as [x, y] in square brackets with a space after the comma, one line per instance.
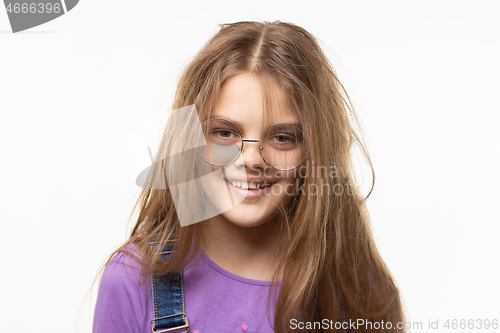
[281, 145]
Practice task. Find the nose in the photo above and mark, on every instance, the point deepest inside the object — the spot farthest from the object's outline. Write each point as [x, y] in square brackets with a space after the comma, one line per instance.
[250, 156]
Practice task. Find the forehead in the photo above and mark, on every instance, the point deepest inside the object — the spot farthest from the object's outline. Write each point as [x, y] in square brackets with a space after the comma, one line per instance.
[246, 98]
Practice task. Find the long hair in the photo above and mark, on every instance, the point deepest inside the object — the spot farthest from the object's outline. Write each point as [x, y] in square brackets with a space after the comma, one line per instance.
[329, 265]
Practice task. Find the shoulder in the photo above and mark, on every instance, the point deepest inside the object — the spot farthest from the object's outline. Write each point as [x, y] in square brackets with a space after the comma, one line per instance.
[127, 260]
[124, 301]
[123, 270]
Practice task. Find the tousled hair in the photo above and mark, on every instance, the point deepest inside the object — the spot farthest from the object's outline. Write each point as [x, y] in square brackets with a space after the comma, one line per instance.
[330, 264]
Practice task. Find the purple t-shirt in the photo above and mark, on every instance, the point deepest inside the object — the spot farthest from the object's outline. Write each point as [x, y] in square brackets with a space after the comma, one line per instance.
[215, 300]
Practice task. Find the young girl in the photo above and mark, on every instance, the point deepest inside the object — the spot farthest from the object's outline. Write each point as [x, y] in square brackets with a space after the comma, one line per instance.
[250, 218]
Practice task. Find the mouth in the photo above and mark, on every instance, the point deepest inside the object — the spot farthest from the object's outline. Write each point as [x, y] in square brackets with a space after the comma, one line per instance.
[250, 186]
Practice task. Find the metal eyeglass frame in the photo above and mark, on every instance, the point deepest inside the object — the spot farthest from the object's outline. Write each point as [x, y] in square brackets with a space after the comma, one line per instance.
[243, 140]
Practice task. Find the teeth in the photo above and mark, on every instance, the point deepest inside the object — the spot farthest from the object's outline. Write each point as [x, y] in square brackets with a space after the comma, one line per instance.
[237, 183]
[245, 185]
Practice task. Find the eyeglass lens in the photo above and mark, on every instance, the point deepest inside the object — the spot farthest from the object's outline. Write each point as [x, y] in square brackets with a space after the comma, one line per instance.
[282, 144]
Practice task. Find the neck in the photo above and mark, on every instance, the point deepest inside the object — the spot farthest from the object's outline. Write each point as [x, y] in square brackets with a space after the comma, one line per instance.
[249, 252]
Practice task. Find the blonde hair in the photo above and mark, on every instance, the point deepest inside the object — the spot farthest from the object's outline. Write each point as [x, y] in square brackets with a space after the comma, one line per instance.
[332, 268]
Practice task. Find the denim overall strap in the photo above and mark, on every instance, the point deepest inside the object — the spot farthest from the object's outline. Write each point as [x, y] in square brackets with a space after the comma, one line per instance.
[168, 300]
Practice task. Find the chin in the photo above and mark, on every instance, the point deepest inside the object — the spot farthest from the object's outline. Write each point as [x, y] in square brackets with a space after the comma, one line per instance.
[248, 216]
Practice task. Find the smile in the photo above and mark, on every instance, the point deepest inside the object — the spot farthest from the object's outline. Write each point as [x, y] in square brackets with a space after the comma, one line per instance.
[248, 186]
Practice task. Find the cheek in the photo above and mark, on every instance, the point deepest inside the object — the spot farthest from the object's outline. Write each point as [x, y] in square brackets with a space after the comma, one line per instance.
[286, 187]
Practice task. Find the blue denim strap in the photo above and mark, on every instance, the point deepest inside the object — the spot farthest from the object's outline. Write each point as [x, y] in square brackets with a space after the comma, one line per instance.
[168, 299]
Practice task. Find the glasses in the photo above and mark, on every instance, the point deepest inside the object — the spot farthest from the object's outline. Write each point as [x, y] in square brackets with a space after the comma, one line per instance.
[281, 145]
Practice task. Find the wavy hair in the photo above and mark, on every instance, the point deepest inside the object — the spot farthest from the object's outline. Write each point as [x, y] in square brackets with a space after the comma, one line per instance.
[332, 267]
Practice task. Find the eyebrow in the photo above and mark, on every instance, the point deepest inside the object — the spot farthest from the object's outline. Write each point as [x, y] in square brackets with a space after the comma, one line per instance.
[237, 123]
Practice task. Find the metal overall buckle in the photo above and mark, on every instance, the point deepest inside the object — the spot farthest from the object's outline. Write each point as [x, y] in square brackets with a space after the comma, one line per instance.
[186, 325]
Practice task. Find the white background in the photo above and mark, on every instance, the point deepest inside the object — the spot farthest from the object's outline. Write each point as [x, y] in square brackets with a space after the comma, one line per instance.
[424, 79]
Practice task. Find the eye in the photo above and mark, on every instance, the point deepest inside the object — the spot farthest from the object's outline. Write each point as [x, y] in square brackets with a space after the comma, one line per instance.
[283, 138]
[224, 133]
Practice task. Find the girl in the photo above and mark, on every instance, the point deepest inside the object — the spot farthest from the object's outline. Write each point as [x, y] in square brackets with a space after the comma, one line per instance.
[258, 152]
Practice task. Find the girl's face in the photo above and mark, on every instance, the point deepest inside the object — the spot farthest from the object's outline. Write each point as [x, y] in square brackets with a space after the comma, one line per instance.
[241, 102]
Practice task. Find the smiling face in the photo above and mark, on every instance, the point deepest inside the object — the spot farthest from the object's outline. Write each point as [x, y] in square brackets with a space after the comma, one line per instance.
[256, 187]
